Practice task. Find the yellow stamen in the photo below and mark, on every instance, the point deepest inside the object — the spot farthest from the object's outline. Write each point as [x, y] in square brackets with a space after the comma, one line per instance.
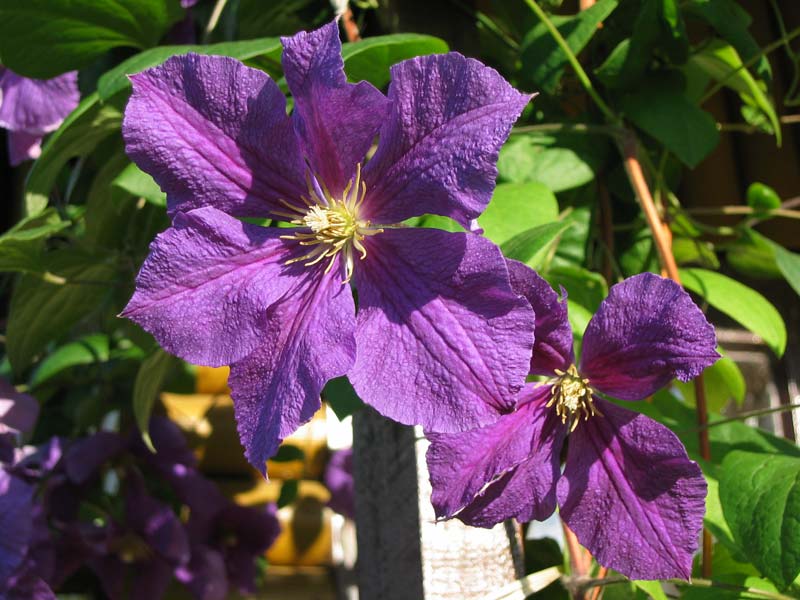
[334, 224]
[572, 397]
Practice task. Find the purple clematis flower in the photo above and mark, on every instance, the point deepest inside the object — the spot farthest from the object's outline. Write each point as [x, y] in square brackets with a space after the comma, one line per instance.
[628, 490]
[440, 337]
[30, 108]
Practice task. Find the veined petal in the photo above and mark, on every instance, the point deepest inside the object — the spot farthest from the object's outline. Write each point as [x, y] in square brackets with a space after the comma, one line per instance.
[439, 145]
[213, 132]
[442, 339]
[36, 106]
[552, 348]
[645, 333]
[204, 290]
[336, 121]
[508, 469]
[632, 496]
[23, 146]
[308, 339]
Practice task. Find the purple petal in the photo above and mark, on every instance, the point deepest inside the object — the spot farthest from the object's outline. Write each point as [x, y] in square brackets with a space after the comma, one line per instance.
[335, 121]
[205, 288]
[18, 411]
[253, 530]
[158, 525]
[517, 456]
[339, 481]
[36, 106]
[632, 496]
[205, 574]
[552, 348]
[188, 3]
[442, 339]
[16, 522]
[307, 340]
[23, 146]
[645, 333]
[83, 458]
[36, 462]
[213, 132]
[439, 145]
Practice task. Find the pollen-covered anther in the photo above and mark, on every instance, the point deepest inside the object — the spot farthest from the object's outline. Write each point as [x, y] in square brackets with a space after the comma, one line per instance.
[333, 224]
[572, 397]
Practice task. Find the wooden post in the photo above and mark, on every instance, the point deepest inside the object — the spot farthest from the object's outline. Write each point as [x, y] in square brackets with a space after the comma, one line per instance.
[403, 553]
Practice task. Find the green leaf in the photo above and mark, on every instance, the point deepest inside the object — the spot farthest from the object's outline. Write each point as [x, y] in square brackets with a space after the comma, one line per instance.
[789, 265]
[140, 185]
[579, 318]
[21, 246]
[690, 250]
[560, 162]
[85, 351]
[760, 495]
[79, 134]
[44, 38]
[723, 382]
[753, 255]
[715, 519]
[652, 588]
[532, 246]
[149, 381]
[740, 303]
[341, 397]
[543, 61]
[288, 453]
[665, 114]
[288, 494]
[116, 79]
[370, 59]
[732, 23]
[43, 311]
[723, 64]
[257, 18]
[516, 207]
[658, 27]
[640, 255]
[585, 287]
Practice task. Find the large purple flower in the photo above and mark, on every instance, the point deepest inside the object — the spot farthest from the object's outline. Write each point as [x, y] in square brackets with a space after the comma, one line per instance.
[30, 108]
[440, 337]
[628, 489]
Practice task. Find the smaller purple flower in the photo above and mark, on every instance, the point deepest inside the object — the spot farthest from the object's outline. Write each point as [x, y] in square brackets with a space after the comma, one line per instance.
[30, 108]
[339, 481]
[142, 552]
[628, 490]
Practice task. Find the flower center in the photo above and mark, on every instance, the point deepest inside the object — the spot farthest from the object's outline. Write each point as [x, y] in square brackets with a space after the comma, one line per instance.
[333, 224]
[572, 397]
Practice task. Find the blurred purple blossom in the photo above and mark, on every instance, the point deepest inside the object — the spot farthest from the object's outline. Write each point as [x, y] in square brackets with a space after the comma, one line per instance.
[628, 489]
[136, 550]
[339, 481]
[30, 108]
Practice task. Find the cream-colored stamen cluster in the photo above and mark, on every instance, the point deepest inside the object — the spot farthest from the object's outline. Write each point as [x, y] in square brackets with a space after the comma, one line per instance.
[334, 223]
[572, 397]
